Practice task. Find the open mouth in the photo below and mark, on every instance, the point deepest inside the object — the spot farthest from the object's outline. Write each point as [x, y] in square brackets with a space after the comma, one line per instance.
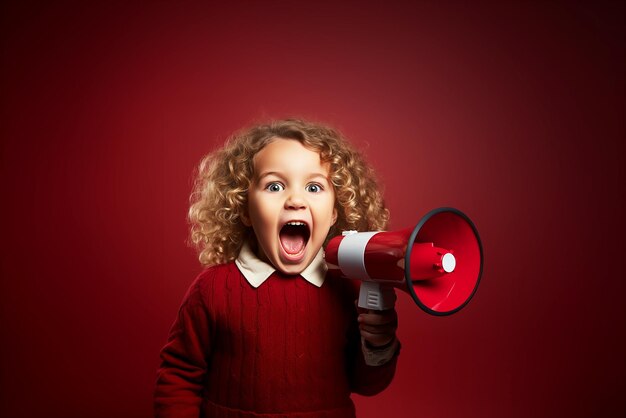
[294, 236]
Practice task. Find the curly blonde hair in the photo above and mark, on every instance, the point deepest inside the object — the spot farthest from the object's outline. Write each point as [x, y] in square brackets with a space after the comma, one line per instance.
[219, 196]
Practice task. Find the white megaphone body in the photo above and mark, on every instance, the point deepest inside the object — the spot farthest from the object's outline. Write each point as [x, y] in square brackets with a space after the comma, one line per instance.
[439, 262]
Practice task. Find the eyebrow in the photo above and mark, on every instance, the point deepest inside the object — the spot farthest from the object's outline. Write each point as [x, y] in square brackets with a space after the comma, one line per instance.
[278, 174]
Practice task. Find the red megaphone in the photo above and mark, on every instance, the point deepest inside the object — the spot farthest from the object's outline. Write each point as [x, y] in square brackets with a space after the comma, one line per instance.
[439, 262]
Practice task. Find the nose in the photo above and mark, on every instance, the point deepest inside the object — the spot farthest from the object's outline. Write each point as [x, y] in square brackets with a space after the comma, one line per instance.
[295, 201]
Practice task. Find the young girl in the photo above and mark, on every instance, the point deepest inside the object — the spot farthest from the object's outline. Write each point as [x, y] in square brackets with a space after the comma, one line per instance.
[264, 331]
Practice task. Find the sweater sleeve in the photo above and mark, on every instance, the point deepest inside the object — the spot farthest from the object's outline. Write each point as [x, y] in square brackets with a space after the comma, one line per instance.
[181, 375]
[370, 380]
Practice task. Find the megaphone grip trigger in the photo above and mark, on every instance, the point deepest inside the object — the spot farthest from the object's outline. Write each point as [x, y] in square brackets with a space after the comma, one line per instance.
[376, 296]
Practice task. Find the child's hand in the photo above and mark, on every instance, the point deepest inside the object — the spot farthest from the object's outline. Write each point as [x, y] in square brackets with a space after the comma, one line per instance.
[378, 328]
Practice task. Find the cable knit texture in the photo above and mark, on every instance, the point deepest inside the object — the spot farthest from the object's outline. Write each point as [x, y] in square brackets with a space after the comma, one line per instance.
[285, 349]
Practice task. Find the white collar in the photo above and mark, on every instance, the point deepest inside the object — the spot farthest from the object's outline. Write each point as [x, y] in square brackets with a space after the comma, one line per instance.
[257, 271]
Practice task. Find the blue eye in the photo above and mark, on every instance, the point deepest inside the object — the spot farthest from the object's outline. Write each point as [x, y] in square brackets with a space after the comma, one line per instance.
[274, 187]
[314, 188]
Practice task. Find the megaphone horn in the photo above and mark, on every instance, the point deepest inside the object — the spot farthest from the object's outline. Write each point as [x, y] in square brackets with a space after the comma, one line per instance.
[439, 262]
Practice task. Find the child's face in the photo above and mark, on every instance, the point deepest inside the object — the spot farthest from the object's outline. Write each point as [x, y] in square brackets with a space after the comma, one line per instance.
[290, 204]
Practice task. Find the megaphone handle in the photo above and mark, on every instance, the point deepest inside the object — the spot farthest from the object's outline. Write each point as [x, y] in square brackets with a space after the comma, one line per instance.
[376, 296]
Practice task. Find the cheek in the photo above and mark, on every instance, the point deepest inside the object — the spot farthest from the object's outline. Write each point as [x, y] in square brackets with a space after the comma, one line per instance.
[255, 216]
[327, 216]
[255, 206]
[263, 213]
[333, 210]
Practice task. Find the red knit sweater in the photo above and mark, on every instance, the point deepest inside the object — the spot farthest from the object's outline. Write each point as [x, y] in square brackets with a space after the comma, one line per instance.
[285, 349]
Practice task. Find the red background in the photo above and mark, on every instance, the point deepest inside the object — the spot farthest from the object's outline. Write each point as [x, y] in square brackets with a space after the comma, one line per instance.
[513, 113]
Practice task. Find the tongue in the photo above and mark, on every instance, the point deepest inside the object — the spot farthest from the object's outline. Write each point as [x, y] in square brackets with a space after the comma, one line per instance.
[292, 239]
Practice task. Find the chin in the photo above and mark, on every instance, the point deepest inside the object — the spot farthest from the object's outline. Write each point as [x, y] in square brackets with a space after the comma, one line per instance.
[293, 269]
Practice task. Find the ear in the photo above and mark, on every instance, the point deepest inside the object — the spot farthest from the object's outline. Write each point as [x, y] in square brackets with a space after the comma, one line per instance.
[334, 216]
[245, 219]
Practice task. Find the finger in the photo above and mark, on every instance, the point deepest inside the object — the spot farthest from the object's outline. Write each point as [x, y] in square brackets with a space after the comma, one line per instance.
[379, 330]
[377, 340]
[386, 317]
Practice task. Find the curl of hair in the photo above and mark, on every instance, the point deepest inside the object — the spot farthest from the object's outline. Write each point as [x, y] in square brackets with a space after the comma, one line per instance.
[219, 195]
